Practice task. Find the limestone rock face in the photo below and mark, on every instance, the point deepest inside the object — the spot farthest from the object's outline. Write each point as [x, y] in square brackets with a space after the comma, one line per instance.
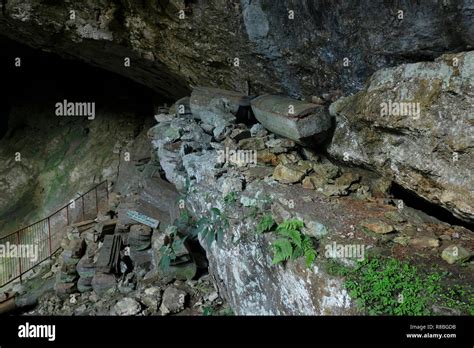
[297, 53]
[414, 123]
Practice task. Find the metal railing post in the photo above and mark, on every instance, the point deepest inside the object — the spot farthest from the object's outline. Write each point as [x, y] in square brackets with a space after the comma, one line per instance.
[19, 257]
[83, 209]
[96, 202]
[67, 214]
[49, 237]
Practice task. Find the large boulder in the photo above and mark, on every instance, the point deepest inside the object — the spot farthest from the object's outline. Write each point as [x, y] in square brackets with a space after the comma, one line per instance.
[291, 118]
[414, 124]
[217, 107]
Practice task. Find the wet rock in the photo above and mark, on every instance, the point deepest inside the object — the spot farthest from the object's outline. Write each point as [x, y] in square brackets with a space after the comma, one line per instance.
[173, 301]
[127, 307]
[455, 253]
[411, 124]
[377, 226]
[288, 173]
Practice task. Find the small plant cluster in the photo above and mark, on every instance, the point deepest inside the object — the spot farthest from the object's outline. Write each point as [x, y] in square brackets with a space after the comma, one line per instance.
[291, 243]
[230, 198]
[212, 227]
[169, 249]
[384, 286]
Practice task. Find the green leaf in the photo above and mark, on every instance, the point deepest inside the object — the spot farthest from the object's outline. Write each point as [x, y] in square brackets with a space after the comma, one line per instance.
[265, 224]
[293, 235]
[291, 225]
[283, 250]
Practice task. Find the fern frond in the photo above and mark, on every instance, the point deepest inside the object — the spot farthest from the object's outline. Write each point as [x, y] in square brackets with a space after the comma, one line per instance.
[265, 224]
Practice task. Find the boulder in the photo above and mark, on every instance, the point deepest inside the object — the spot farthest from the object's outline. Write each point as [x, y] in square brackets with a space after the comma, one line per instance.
[413, 124]
[139, 237]
[84, 284]
[288, 173]
[455, 253]
[217, 107]
[291, 118]
[126, 307]
[103, 282]
[173, 301]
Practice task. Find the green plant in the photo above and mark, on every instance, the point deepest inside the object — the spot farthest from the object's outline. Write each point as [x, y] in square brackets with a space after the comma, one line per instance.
[169, 249]
[393, 287]
[211, 311]
[208, 311]
[265, 224]
[212, 227]
[292, 244]
[230, 198]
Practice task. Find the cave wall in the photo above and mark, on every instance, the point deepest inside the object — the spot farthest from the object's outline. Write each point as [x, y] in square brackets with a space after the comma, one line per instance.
[300, 57]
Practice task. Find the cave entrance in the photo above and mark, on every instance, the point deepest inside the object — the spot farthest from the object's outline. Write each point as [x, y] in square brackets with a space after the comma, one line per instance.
[62, 155]
[418, 203]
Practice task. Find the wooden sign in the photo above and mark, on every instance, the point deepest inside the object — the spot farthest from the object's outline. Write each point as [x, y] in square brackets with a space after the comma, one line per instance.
[143, 219]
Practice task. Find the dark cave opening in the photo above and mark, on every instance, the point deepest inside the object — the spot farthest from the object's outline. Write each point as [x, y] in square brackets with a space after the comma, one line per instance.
[47, 78]
[431, 209]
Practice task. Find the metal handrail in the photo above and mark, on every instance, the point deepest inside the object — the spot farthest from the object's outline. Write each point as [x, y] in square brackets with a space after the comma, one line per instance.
[45, 228]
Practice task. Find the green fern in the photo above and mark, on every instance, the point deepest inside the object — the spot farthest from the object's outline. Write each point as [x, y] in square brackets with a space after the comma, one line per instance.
[265, 224]
[292, 243]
